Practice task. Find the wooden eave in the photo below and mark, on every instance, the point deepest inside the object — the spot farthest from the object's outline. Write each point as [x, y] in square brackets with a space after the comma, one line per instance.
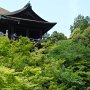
[45, 25]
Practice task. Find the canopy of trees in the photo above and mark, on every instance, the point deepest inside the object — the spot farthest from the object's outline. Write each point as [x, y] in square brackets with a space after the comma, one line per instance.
[80, 22]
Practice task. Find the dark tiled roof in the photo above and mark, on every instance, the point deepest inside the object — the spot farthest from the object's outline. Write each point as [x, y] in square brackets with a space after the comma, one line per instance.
[18, 19]
[20, 10]
[25, 9]
[3, 11]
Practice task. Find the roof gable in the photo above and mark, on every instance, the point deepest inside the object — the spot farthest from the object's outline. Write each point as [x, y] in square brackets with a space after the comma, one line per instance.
[27, 13]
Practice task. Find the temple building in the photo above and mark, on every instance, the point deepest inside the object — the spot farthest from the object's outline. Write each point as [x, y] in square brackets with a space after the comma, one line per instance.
[23, 22]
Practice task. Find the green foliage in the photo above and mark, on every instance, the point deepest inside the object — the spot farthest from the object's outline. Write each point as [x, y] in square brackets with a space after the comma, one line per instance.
[76, 60]
[76, 33]
[4, 45]
[60, 65]
[84, 37]
[45, 37]
[56, 36]
[80, 22]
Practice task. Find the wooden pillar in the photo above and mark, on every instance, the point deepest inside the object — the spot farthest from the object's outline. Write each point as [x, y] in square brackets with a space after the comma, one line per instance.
[27, 32]
[10, 31]
[40, 34]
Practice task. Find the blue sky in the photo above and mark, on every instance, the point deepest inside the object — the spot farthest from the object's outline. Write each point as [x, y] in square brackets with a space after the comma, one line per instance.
[61, 11]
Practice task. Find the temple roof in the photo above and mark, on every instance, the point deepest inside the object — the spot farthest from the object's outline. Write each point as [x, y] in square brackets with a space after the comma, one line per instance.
[3, 11]
[26, 17]
[26, 12]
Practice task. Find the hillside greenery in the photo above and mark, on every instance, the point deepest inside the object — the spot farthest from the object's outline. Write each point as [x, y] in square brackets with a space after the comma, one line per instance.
[57, 63]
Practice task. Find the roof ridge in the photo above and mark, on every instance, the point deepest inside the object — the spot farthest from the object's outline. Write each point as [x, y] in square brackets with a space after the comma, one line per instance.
[28, 5]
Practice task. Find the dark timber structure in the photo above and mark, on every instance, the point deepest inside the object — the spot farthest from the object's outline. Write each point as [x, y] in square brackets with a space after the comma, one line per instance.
[24, 22]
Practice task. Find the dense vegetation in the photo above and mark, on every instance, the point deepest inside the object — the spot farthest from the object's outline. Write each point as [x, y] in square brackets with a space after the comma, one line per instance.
[57, 63]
